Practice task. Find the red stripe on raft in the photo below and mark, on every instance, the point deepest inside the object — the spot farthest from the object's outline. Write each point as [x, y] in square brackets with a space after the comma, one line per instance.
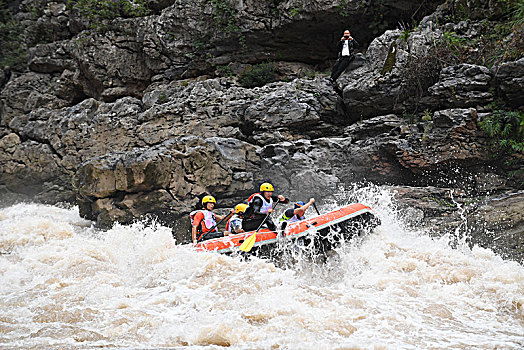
[232, 242]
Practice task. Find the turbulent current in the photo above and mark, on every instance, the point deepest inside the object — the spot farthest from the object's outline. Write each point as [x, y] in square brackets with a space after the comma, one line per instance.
[67, 285]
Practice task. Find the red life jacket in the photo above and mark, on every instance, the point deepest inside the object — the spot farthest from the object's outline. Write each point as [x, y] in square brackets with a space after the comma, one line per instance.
[205, 224]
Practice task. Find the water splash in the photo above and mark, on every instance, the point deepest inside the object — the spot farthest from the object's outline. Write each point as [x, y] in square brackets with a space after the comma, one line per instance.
[66, 285]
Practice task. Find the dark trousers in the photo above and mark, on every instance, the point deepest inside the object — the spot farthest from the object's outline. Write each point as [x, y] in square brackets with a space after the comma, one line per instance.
[253, 224]
[340, 66]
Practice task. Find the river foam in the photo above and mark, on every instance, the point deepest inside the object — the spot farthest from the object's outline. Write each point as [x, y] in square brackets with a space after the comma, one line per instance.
[67, 285]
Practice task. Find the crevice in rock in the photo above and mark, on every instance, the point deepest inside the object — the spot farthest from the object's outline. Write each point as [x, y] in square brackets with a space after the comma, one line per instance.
[37, 140]
[168, 190]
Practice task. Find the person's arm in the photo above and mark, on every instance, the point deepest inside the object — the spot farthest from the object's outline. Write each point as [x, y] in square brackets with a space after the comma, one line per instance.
[302, 210]
[221, 217]
[281, 199]
[196, 222]
[355, 42]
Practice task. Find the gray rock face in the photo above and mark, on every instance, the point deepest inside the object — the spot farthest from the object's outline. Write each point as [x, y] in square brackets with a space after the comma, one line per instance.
[130, 120]
[498, 223]
[509, 80]
[164, 179]
[376, 87]
[209, 108]
[188, 38]
[464, 85]
[492, 221]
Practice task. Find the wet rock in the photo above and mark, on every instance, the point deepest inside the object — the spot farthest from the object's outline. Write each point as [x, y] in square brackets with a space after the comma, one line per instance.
[111, 65]
[450, 137]
[51, 58]
[491, 221]
[464, 85]
[165, 180]
[509, 80]
[33, 170]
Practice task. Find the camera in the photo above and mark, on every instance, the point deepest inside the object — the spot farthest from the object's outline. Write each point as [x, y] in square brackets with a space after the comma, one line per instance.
[346, 36]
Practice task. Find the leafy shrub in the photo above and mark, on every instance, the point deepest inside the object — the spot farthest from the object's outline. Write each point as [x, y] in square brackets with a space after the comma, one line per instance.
[497, 42]
[507, 129]
[258, 75]
[12, 50]
[100, 10]
[224, 18]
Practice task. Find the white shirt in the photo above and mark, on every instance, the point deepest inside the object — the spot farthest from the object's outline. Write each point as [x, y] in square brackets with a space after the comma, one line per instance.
[345, 48]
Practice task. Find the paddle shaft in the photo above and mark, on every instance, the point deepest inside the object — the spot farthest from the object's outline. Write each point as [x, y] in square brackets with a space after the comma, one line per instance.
[250, 241]
[218, 223]
[315, 206]
[264, 221]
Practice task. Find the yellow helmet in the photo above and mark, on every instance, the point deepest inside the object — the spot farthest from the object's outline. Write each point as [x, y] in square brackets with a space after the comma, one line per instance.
[266, 186]
[208, 199]
[240, 208]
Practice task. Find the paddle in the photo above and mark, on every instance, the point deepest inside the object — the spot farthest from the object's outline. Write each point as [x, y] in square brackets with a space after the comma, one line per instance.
[218, 223]
[315, 206]
[250, 242]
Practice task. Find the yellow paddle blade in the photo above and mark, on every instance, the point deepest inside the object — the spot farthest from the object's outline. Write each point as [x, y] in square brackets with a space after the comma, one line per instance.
[248, 243]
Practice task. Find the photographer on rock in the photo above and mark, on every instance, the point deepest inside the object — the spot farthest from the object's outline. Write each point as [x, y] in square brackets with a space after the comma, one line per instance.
[345, 54]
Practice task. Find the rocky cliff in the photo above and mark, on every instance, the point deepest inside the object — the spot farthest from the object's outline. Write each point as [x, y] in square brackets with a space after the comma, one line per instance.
[135, 109]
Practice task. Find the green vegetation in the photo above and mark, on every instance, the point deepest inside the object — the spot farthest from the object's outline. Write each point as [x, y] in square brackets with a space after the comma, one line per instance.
[258, 75]
[405, 35]
[342, 8]
[391, 59]
[224, 17]
[429, 124]
[12, 52]
[406, 30]
[441, 202]
[97, 11]
[506, 128]
[162, 98]
[377, 11]
[296, 9]
[224, 71]
[496, 42]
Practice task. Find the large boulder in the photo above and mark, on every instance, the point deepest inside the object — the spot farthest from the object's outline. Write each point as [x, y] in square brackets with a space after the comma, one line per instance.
[490, 221]
[509, 81]
[464, 85]
[166, 180]
[376, 87]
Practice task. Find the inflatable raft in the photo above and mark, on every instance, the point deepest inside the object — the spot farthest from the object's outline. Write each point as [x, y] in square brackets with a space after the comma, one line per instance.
[324, 231]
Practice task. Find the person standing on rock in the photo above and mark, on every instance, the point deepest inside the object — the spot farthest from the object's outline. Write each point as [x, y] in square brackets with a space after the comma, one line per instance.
[345, 55]
[260, 204]
[203, 221]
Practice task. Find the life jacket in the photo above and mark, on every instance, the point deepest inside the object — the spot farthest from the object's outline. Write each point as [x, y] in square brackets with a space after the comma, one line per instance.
[206, 224]
[294, 218]
[265, 204]
[234, 219]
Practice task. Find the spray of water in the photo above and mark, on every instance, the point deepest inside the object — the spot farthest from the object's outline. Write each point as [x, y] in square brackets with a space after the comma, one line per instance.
[65, 284]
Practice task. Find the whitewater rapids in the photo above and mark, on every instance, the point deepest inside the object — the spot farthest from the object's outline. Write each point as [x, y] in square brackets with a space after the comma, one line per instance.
[66, 285]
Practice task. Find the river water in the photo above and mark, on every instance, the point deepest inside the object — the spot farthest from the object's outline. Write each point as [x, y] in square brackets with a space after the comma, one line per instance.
[66, 285]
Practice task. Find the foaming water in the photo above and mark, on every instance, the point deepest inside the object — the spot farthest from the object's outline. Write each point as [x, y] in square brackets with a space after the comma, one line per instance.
[66, 285]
